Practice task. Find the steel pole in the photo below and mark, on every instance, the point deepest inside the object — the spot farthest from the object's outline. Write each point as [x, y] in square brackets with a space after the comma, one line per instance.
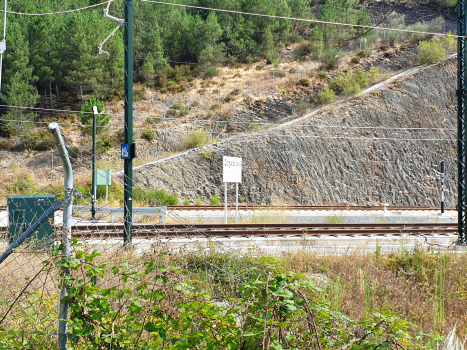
[236, 202]
[3, 46]
[225, 202]
[442, 185]
[54, 128]
[94, 182]
[128, 128]
[461, 119]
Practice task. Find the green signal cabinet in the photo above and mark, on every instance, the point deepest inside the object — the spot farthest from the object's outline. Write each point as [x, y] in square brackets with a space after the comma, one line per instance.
[24, 210]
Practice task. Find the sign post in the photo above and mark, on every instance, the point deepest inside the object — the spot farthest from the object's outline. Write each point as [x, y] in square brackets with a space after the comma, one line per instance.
[104, 178]
[232, 172]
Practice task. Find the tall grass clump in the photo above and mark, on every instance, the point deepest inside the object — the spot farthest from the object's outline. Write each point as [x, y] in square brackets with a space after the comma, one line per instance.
[198, 139]
[426, 286]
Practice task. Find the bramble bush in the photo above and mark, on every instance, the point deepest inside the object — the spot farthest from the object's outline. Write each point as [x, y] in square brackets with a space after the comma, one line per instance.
[151, 302]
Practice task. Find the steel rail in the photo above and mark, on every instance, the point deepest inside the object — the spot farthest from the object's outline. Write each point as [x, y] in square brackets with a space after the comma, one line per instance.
[307, 207]
[268, 233]
[266, 226]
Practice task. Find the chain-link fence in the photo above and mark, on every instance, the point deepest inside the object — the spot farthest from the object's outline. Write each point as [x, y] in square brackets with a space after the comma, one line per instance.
[75, 283]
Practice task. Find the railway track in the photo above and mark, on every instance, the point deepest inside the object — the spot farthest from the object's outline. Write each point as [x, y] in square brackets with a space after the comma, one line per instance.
[303, 207]
[264, 230]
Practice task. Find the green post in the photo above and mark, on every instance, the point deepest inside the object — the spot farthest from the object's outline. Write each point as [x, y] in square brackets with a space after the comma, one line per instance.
[128, 163]
[94, 182]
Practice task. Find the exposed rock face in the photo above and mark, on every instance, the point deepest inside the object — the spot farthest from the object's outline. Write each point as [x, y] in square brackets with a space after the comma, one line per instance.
[328, 158]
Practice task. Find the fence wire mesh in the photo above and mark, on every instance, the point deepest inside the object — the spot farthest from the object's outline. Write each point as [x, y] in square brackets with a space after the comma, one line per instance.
[167, 289]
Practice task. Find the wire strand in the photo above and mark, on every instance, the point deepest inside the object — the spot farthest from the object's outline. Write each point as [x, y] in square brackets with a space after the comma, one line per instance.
[303, 19]
[57, 13]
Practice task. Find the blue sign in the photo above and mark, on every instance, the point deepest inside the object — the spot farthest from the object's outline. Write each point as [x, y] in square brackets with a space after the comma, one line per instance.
[125, 151]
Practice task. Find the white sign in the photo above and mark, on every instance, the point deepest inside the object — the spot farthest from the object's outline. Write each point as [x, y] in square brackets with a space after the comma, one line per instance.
[232, 169]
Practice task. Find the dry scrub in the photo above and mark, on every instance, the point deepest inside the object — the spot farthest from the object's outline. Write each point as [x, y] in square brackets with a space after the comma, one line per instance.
[427, 287]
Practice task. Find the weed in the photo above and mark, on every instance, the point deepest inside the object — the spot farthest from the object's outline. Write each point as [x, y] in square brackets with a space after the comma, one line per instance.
[198, 202]
[298, 52]
[216, 106]
[215, 200]
[356, 59]
[325, 97]
[236, 91]
[304, 82]
[284, 91]
[259, 67]
[228, 99]
[186, 202]
[273, 57]
[198, 139]
[212, 71]
[207, 153]
[374, 93]
[148, 135]
[335, 219]
[154, 197]
[323, 74]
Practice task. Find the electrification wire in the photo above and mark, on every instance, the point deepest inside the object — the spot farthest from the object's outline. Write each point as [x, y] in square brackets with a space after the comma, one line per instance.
[302, 19]
[376, 25]
[58, 12]
[45, 110]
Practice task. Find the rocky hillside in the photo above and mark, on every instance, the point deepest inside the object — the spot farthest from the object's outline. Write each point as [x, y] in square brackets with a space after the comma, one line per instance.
[382, 146]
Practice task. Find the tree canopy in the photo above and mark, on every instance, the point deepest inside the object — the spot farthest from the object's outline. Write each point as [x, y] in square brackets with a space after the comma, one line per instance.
[60, 52]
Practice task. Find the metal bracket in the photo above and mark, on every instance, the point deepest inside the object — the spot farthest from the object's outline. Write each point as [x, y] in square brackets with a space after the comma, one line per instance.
[2, 46]
[120, 23]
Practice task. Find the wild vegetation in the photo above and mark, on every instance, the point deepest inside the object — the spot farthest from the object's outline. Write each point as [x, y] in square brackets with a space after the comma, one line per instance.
[154, 301]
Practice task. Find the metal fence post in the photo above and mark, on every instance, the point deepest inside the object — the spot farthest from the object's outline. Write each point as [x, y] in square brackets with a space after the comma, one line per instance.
[54, 128]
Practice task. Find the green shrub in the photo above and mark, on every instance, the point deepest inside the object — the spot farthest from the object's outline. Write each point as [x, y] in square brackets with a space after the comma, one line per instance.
[236, 91]
[229, 98]
[273, 57]
[363, 53]
[6, 144]
[174, 87]
[431, 52]
[325, 97]
[40, 140]
[297, 53]
[148, 135]
[301, 107]
[356, 59]
[323, 74]
[349, 83]
[449, 43]
[304, 82]
[215, 200]
[104, 143]
[139, 94]
[330, 56]
[373, 75]
[278, 73]
[154, 197]
[212, 71]
[207, 153]
[198, 139]
[352, 89]
[164, 90]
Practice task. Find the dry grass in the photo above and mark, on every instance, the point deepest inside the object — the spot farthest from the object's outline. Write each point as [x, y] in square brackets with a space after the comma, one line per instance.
[428, 288]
